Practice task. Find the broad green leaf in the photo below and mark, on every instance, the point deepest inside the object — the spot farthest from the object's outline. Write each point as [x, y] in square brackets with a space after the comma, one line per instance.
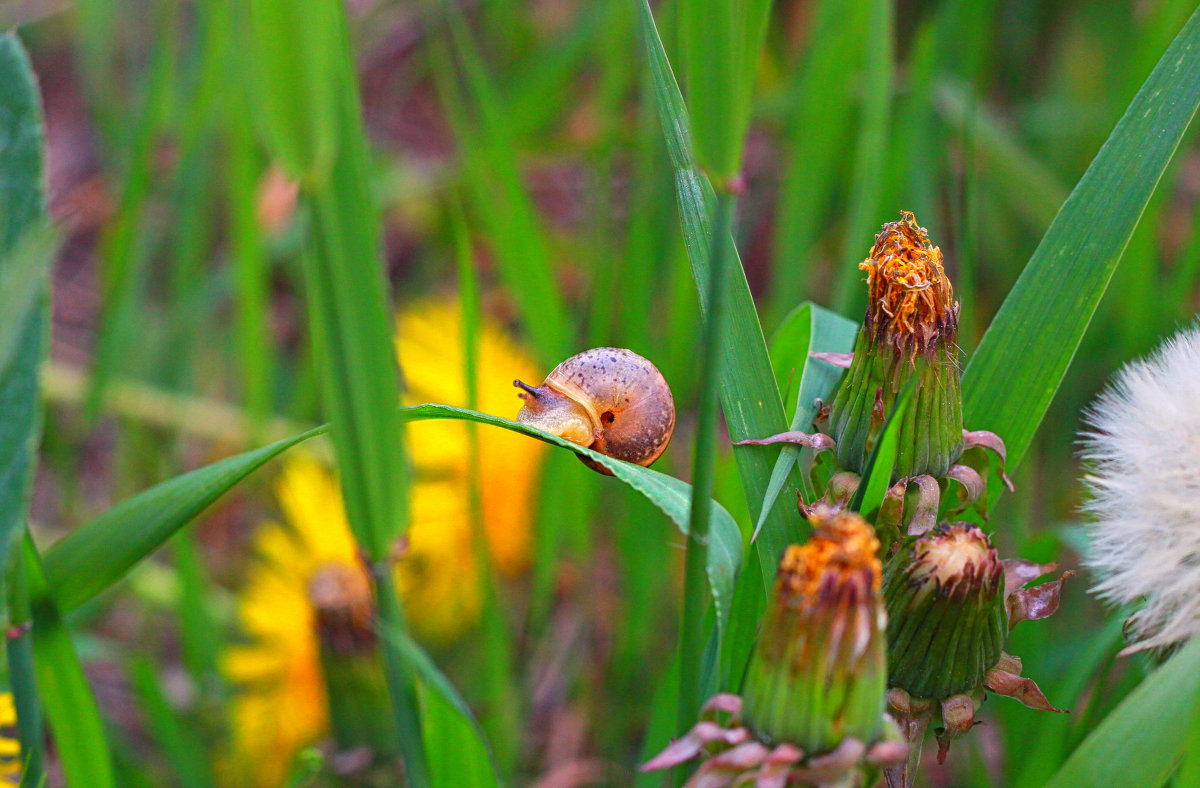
[455, 746]
[1020, 362]
[749, 397]
[71, 709]
[93, 557]
[23, 285]
[1139, 743]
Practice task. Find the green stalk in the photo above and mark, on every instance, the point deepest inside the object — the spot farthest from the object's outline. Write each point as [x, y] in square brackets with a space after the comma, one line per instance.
[695, 594]
[399, 673]
[30, 729]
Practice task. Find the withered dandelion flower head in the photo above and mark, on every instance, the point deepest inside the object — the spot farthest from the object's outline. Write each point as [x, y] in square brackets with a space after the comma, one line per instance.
[911, 300]
[818, 673]
[812, 710]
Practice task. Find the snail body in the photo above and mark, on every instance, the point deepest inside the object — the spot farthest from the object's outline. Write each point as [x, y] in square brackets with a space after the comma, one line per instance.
[609, 399]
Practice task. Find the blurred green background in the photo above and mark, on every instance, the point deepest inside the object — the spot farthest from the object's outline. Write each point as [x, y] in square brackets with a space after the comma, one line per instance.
[516, 155]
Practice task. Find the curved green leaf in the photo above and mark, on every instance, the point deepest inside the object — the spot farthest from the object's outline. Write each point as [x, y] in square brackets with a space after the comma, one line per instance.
[670, 495]
[89, 560]
[1024, 355]
[93, 557]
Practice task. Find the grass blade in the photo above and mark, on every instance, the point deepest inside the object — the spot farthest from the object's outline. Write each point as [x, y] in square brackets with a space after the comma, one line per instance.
[454, 742]
[749, 397]
[1022, 358]
[93, 557]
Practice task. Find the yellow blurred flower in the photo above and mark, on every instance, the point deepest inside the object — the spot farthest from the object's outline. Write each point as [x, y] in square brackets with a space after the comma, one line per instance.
[10, 748]
[280, 705]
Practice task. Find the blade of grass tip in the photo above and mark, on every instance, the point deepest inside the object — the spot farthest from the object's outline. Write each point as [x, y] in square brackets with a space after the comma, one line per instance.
[91, 558]
[1020, 362]
[695, 597]
[869, 180]
[502, 720]
[877, 477]
[817, 136]
[749, 395]
[70, 707]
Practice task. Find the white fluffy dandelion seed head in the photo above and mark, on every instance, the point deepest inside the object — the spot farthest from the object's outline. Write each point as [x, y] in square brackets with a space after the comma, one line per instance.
[1143, 448]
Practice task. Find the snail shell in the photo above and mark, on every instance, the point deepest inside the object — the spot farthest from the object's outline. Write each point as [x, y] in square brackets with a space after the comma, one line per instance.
[609, 399]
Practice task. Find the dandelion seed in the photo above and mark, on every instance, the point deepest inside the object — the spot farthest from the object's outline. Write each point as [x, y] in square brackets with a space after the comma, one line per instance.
[1142, 444]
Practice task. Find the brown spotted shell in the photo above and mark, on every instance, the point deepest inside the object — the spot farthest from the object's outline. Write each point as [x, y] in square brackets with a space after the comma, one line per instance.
[627, 398]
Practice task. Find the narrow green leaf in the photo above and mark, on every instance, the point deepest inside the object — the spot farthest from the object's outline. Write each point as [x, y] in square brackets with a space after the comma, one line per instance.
[455, 746]
[93, 557]
[1139, 743]
[877, 477]
[749, 397]
[68, 701]
[1022, 358]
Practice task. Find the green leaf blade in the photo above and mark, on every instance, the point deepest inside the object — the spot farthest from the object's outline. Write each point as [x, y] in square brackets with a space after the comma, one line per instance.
[1021, 360]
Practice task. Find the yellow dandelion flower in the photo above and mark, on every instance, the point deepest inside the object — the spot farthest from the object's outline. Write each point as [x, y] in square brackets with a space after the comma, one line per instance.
[281, 705]
[10, 748]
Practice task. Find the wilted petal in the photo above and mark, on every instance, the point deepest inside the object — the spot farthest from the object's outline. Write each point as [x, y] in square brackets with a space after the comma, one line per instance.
[1018, 572]
[1023, 689]
[988, 440]
[969, 478]
[958, 717]
[842, 360]
[692, 744]
[886, 753]
[778, 767]
[828, 768]
[815, 441]
[723, 701]
[744, 756]
[1031, 604]
[928, 497]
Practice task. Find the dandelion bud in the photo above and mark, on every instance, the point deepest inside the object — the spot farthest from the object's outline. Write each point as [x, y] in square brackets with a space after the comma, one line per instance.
[950, 604]
[909, 331]
[946, 614]
[818, 675]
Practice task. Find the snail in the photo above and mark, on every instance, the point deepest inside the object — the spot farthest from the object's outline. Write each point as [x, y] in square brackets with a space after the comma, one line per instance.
[609, 399]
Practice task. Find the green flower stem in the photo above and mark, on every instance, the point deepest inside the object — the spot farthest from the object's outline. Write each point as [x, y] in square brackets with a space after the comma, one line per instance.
[695, 593]
[399, 673]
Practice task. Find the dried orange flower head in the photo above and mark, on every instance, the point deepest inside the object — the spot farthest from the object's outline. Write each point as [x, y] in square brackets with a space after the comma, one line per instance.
[911, 299]
[841, 553]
